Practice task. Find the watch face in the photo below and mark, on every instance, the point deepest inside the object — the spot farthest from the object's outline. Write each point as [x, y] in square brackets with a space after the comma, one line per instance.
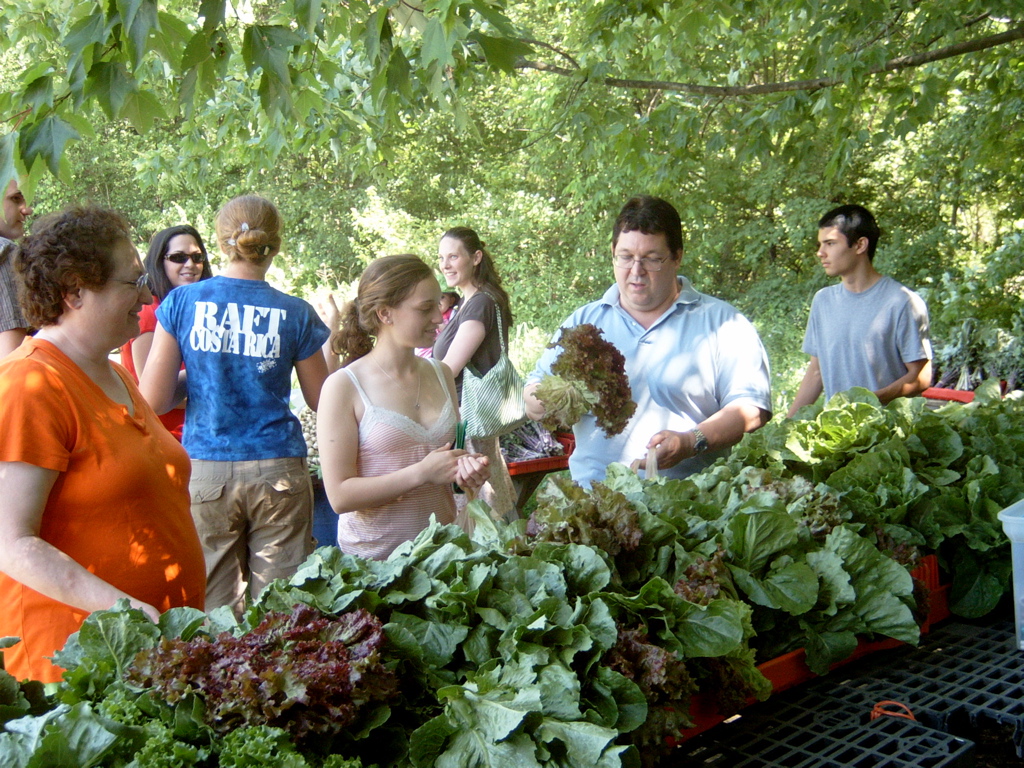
[700, 443]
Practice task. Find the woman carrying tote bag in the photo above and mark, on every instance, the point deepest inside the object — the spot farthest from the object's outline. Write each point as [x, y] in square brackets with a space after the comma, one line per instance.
[477, 340]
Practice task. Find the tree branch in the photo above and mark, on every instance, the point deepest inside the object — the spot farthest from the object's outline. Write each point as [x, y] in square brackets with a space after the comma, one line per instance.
[893, 65]
[551, 47]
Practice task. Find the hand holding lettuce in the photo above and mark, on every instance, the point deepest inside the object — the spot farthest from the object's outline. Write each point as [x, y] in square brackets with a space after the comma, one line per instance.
[588, 375]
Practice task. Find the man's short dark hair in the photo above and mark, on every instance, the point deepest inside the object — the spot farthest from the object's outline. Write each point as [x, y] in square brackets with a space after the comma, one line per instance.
[855, 222]
[652, 216]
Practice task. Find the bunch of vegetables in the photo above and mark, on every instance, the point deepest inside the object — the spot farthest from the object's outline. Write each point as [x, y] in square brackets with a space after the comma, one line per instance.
[589, 374]
[302, 672]
[978, 351]
[307, 419]
[581, 641]
[530, 441]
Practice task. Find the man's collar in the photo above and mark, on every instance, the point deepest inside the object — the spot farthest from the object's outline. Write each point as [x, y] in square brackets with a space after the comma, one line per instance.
[687, 293]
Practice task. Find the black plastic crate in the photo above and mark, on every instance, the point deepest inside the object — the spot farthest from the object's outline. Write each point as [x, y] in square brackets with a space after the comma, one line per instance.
[962, 670]
[887, 742]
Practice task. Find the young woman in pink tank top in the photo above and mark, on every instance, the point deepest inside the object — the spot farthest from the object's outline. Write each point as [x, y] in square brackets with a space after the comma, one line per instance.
[387, 418]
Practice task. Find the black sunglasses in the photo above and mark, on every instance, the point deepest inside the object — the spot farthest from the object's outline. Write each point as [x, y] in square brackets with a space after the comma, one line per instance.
[180, 258]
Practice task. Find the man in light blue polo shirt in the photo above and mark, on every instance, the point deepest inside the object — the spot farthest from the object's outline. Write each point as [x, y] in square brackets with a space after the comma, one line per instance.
[696, 366]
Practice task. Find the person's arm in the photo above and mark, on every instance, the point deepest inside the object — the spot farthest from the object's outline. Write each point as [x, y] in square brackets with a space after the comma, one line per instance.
[722, 430]
[163, 383]
[810, 388]
[534, 408]
[10, 340]
[329, 313]
[467, 341]
[312, 373]
[917, 379]
[26, 558]
[141, 346]
[337, 430]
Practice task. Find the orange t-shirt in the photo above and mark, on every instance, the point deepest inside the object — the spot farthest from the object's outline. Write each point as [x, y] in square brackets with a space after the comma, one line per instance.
[120, 506]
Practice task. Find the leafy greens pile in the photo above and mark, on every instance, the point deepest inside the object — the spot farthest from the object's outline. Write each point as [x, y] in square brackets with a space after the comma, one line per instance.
[589, 374]
[580, 642]
[302, 672]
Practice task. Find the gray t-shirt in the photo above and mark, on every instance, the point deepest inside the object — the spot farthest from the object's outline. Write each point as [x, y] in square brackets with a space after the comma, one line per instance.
[11, 316]
[866, 339]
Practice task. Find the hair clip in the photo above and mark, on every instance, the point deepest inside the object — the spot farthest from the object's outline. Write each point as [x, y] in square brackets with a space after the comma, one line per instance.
[243, 228]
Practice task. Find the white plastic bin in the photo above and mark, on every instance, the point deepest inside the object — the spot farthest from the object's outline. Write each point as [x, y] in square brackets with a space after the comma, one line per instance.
[1013, 525]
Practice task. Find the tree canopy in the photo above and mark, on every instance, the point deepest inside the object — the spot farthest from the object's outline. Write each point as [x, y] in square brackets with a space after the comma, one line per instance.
[377, 124]
[753, 75]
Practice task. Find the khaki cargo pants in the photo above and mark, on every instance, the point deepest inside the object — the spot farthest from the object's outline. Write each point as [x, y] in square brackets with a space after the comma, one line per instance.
[254, 520]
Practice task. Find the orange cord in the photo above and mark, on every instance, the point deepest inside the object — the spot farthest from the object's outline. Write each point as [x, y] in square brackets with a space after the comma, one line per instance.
[902, 710]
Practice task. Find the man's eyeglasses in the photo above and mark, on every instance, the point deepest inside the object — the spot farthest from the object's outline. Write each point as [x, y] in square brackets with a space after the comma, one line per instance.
[139, 284]
[180, 257]
[647, 263]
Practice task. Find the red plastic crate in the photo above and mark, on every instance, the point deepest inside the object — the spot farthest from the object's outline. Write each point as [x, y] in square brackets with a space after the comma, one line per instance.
[952, 395]
[548, 463]
[939, 610]
[790, 669]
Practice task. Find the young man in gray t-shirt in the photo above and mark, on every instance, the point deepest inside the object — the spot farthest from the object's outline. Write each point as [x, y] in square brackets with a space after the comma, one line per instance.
[867, 331]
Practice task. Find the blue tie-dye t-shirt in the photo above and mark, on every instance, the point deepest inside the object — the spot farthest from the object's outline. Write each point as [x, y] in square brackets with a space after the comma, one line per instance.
[240, 340]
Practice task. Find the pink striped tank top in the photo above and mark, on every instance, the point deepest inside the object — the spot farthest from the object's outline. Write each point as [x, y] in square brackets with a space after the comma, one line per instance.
[389, 441]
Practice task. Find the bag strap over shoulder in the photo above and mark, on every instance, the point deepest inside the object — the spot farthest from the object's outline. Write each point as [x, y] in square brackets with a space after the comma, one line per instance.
[501, 326]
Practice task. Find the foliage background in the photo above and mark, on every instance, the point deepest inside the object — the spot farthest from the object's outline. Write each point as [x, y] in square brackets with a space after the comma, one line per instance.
[375, 126]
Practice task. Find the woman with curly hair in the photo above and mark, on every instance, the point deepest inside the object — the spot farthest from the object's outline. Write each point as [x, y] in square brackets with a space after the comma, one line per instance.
[387, 418]
[177, 256]
[95, 503]
[240, 340]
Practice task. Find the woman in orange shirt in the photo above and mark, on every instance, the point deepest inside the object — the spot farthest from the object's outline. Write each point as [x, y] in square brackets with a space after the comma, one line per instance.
[95, 503]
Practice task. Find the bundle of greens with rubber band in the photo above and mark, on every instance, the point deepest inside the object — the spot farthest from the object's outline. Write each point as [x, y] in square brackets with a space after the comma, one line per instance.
[588, 375]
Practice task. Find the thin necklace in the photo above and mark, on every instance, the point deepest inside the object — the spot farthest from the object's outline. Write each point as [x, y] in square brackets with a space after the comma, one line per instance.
[419, 380]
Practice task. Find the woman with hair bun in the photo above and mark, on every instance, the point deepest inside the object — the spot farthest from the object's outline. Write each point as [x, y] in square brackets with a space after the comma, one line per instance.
[387, 419]
[176, 256]
[240, 339]
[473, 336]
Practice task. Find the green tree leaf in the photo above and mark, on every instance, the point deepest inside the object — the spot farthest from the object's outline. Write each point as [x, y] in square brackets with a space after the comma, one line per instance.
[45, 140]
[212, 13]
[269, 47]
[307, 14]
[111, 85]
[142, 109]
[500, 52]
[142, 20]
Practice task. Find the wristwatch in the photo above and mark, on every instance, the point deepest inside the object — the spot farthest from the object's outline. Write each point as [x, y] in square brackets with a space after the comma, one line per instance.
[700, 443]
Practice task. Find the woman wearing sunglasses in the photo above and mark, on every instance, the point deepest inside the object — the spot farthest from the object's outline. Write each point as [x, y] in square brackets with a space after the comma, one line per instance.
[177, 256]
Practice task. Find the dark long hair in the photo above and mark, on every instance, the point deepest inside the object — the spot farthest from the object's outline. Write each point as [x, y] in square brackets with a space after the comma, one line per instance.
[158, 250]
[485, 276]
